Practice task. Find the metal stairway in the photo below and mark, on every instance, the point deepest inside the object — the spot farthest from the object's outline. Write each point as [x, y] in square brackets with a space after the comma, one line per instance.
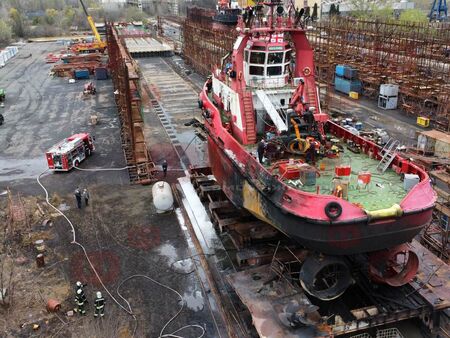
[250, 126]
[271, 110]
[311, 97]
[388, 154]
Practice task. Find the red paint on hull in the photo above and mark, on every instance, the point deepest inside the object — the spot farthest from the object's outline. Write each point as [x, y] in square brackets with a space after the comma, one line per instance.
[301, 215]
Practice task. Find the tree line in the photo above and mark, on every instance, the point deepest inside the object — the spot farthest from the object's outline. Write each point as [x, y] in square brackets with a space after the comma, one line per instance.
[32, 18]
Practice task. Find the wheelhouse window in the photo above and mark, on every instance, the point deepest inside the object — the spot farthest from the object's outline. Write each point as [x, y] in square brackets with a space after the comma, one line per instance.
[288, 57]
[275, 58]
[255, 70]
[259, 48]
[258, 58]
[273, 71]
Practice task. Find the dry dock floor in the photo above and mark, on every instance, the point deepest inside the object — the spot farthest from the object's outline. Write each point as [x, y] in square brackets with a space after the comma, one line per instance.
[122, 233]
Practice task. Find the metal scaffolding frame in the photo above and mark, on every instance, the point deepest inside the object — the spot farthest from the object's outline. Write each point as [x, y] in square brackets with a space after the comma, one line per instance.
[126, 80]
[414, 56]
[205, 43]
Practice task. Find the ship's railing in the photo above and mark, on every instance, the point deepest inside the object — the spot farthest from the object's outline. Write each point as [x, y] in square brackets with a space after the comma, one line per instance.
[267, 83]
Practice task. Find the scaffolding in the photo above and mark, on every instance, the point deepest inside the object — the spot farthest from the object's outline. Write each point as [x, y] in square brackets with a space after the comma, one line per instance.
[414, 56]
[126, 80]
[205, 42]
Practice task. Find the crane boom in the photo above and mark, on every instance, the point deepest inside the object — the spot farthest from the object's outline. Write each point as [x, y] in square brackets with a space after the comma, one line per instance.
[91, 23]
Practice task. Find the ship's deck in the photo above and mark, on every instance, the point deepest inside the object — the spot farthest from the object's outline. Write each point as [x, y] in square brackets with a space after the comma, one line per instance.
[382, 192]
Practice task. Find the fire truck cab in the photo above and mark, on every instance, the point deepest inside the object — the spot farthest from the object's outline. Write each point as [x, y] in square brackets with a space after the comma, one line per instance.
[70, 152]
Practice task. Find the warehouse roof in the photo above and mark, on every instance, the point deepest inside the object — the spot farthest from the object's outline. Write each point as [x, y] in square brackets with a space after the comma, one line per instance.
[438, 135]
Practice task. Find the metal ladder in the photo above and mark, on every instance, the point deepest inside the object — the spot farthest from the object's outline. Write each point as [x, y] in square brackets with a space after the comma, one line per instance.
[388, 154]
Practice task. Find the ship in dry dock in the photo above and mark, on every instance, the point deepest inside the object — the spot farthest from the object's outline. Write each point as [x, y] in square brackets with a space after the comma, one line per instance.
[276, 154]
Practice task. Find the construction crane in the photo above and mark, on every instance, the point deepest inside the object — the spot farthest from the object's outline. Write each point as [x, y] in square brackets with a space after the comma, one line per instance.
[98, 45]
[438, 10]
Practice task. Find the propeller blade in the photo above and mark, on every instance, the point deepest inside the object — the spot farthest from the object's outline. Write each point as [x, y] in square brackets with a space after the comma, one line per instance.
[285, 318]
[292, 307]
[311, 309]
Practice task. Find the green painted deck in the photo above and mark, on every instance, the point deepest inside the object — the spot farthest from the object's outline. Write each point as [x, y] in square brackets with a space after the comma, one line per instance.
[383, 191]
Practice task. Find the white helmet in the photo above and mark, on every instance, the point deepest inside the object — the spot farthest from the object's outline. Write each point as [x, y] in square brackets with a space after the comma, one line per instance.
[99, 294]
[79, 283]
[79, 292]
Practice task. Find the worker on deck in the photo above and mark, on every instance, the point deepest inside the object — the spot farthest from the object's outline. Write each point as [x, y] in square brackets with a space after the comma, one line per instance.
[308, 117]
[80, 300]
[99, 304]
[262, 145]
[209, 84]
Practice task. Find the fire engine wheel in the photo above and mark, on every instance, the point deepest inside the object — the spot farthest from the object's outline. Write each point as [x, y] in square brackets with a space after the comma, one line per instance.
[76, 163]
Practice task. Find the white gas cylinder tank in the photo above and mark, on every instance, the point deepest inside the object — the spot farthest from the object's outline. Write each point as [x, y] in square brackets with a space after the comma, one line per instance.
[162, 197]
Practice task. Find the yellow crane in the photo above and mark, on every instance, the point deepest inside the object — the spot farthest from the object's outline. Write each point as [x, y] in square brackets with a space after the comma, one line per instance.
[98, 44]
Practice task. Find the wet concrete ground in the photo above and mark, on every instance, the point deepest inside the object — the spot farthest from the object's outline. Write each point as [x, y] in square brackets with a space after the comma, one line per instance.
[178, 100]
[121, 231]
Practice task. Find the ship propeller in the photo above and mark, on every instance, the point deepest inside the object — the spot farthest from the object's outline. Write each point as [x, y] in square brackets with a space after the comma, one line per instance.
[325, 277]
[294, 314]
[395, 266]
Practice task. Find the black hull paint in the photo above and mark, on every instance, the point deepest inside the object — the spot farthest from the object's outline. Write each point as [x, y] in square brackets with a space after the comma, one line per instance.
[330, 238]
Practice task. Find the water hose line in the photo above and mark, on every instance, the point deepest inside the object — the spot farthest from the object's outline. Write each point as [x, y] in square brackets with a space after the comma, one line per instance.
[128, 308]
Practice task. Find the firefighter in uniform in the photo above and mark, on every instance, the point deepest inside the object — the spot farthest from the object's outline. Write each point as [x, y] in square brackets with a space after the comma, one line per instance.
[79, 285]
[80, 300]
[99, 304]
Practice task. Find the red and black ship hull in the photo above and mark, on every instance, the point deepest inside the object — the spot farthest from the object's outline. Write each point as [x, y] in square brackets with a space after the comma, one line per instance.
[330, 237]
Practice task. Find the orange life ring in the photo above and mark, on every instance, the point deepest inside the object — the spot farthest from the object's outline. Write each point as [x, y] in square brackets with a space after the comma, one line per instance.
[306, 71]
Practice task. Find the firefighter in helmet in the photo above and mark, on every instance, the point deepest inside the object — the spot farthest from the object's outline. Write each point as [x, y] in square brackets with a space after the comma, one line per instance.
[80, 300]
[99, 304]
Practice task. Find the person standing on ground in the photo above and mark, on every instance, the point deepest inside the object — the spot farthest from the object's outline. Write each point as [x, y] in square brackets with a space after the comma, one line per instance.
[261, 149]
[80, 300]
[164, 167]
[99, 304]
[86, 196]
[79, 286]
[78, 197]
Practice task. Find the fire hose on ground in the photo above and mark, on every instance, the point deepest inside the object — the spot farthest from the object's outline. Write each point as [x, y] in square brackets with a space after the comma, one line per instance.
[127, 308]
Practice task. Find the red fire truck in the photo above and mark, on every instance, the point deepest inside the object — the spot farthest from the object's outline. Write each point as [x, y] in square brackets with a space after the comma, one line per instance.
[70, 152]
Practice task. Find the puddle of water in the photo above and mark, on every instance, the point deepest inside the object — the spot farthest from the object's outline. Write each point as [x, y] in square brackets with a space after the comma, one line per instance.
[184, 266]
[63, 207]
[194, 300]
[168, 251]
[180, 219]
[15, 169]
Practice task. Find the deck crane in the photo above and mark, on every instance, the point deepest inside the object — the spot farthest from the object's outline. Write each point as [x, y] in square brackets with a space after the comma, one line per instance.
[98, 45]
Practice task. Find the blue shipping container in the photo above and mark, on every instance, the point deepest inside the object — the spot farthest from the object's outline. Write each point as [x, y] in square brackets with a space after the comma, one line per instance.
[350, 73]
[346, 86]
[81, 74]
[101, 73]
[340, 70]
